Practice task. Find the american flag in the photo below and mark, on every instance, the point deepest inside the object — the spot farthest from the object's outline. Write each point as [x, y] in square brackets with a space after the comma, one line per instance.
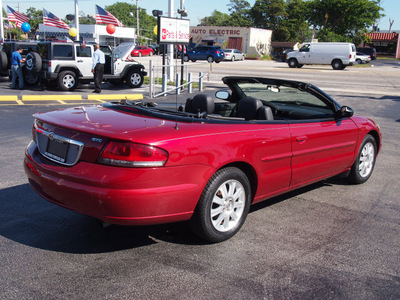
[16, 17]
[104, 17]
[51, 20]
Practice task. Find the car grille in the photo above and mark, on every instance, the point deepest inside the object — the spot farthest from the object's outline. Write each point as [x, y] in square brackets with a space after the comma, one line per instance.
[58, 148]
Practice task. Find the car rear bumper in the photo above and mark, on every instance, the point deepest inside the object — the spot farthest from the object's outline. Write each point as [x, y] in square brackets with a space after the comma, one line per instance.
[126, 196]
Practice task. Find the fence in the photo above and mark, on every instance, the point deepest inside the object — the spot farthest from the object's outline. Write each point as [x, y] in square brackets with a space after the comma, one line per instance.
[157, 73]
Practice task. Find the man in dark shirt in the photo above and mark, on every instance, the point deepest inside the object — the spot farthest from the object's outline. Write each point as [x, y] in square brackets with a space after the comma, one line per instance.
[16, 68]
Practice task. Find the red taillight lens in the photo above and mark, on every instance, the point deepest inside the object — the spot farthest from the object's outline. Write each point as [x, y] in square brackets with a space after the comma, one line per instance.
[127, 154]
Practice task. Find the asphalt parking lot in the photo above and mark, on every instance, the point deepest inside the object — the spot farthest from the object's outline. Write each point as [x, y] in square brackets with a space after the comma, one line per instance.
[331, 240]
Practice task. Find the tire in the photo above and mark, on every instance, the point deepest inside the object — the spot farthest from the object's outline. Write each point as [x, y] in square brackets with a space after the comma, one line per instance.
[292, 63]
[194, 60]
[233, 58]
[186, 58]
[134, 79]
[217, 61]
[33, 62]
[140, 54]
[358, 61]
[67, 81]
[337, 64]
[3, 61]
[365, 161]
[223, 205]
[31, 79]
[210, 59]
[299, 66]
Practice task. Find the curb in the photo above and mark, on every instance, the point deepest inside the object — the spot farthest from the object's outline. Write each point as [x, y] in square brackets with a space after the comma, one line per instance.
[66, 99]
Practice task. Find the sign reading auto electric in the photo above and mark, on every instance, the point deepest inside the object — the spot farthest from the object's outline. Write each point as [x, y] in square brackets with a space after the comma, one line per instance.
[173, 31]
[216, 31]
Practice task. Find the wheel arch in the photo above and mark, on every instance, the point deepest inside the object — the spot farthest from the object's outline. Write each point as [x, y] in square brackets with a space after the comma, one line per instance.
[60, 69]
[377, 138]
[249, 171]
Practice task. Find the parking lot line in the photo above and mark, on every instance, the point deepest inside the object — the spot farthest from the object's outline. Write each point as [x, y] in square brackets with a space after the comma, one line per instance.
[50, 97]
[8, 98]
[116, 97]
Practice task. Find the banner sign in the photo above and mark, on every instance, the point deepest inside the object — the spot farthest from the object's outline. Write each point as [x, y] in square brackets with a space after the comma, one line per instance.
[173, 31]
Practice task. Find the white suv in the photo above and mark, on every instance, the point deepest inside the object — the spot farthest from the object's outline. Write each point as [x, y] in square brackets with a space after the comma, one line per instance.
[67, 64]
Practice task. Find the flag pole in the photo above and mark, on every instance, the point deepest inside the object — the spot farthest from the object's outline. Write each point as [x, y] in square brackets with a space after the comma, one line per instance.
[1, 22]
[77, 20]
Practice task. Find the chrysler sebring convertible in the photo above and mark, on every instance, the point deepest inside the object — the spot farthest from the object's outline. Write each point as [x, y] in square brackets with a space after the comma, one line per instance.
[133, 163]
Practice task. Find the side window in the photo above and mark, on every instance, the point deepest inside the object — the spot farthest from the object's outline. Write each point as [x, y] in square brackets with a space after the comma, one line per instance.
[83, 52]
[305, 48]
[62, 51]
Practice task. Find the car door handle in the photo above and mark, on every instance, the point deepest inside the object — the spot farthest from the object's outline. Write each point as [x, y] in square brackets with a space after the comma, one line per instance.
[79, 61]
[301, 139]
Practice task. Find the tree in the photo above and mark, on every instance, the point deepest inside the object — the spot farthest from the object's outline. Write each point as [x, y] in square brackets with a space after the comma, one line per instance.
[122, 10]
[35, 18]
[343, 19]
[268, 13]
[239, 13]
[217, 18]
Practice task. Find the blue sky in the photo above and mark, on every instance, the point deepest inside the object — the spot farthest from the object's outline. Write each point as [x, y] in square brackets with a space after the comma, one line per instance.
[197, 8]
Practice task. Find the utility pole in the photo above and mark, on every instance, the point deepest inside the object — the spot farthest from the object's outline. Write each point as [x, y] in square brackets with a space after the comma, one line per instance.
[77, 20]
[137, 19]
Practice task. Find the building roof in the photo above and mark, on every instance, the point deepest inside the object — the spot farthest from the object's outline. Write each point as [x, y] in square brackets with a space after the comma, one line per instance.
[384, 36]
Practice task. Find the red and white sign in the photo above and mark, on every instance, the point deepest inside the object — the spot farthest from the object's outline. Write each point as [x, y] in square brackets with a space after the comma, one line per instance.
[173, 31]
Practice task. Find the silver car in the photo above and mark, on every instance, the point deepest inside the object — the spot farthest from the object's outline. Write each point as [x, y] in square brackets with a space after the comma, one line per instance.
[233, 54]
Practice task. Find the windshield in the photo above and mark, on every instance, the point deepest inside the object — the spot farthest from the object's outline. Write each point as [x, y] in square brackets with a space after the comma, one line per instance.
[280, 93]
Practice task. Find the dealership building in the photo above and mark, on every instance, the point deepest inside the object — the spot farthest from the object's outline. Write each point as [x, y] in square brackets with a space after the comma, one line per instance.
[90, 33]
[254, 42]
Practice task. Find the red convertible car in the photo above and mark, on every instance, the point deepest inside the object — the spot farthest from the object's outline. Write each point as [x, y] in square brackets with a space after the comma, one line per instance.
[133, 163]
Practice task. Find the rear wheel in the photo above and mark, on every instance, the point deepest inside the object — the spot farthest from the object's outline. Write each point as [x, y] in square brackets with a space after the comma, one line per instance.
[223, 205]
[210, 59]
[3, 61]
[365, 161]
[337, 64]
[293, 63]
[31, 78]
[186, 58]
[67, 81]
[134, 79]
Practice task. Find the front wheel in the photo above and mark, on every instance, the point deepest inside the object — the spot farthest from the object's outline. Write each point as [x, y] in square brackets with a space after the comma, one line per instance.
[365, 161]
[223, 205]
[293, 63]
[134, 79]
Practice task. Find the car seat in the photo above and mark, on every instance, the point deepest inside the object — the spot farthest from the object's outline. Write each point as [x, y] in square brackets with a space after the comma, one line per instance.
[251, 108]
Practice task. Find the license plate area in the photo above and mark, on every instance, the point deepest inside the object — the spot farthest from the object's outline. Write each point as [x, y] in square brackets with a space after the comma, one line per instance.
[57, 150]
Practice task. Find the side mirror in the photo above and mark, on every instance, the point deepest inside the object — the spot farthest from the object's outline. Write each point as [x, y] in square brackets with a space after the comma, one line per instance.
[346, 112]
[223, 95]
[116, 56]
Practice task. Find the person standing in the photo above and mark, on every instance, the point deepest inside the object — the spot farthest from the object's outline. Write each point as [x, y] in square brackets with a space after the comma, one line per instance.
[98, 68]
[16, 68]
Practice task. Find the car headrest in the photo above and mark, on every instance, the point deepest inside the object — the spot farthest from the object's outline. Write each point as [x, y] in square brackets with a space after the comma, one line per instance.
[248, 108]
[202, 103]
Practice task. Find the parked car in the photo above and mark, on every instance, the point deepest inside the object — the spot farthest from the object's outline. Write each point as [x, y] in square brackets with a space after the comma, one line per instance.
[132, 163]
[362, 58]
[284, 54]
[209, 53]
[68, 64]
[142, 51]
[7, 48]
[369, 51]
[233, 54]
[338, 55]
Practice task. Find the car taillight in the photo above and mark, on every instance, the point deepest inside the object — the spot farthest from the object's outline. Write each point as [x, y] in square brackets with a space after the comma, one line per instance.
[126, 154]
[217, 52]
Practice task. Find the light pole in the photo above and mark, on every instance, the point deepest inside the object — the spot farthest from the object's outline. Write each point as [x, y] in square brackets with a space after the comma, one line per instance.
[137, 18]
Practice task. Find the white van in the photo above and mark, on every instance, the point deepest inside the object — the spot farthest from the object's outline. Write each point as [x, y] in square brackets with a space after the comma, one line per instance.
[338, 55]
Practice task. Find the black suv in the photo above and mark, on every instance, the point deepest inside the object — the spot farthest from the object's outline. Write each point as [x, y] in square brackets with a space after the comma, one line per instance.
[368, 50]
[7, 49]
[68, 64]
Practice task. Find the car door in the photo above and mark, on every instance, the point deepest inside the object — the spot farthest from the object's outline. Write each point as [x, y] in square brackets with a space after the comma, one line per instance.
[84, 60]
[322, 145]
